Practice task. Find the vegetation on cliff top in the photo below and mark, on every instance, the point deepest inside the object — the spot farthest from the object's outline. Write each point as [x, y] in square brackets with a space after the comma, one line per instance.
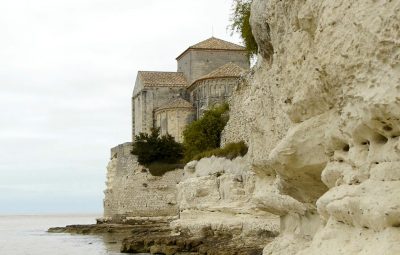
[229, 151]
[202, 138]
[157, 152]
[240, 23]
[205, 133]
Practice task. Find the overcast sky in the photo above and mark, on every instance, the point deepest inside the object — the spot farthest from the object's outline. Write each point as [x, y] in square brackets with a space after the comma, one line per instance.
[67, 70]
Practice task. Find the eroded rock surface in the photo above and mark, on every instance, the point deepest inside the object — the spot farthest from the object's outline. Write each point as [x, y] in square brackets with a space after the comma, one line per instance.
[323, 112]
[215, 202]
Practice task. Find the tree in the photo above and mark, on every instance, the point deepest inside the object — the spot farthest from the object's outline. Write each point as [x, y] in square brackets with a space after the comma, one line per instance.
[240, 23]
[205, 133]
[152, 148]
[170, 151]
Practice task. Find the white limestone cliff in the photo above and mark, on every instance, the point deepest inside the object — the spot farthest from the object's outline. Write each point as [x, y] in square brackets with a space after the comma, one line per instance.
[323, 111]
[215, 195]
[320, 113]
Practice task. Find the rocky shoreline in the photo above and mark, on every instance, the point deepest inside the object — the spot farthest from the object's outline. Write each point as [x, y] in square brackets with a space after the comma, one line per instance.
[157, 237]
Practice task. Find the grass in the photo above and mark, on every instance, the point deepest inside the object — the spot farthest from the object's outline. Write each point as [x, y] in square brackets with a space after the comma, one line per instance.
[229, 151]
[159, 168]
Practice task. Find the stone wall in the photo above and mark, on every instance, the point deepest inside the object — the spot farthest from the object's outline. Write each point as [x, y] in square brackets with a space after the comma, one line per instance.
[145, 101]
[131, 191]
[256, 114]
[197, 63]
[210, 92]
[194, 64]
[173, 121]
[239, 123]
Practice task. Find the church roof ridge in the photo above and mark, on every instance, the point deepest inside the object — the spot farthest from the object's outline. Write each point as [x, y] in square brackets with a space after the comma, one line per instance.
[214, 43]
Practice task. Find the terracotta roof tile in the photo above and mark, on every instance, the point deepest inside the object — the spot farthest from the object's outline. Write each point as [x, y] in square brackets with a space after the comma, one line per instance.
[229, 70]
[162, 79]
[175, 103]
[214, 44]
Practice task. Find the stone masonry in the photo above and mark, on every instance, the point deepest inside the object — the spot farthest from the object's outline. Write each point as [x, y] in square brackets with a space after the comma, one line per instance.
[133, 192]
[207, 73]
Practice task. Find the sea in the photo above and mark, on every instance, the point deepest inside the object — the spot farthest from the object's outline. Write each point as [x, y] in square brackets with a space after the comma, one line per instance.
[27, 235]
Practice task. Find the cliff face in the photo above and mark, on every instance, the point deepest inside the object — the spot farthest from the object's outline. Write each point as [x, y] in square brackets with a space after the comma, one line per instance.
[321, 115]
[132, 192]
[215, 200]
[323, 110]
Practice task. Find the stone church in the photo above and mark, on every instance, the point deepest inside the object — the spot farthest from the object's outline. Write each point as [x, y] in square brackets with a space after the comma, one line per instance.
[207, 74]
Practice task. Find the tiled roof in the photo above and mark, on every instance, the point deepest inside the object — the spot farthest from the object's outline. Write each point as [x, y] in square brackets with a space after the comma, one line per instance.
[229, 70]
[162, 79]
[175, 103]
[214, 44]
[218, 44]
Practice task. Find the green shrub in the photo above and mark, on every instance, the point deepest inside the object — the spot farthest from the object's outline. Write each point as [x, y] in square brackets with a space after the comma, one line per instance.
[159, 169]
[240, 23]
[152, 148]
[229, 151]
[205, 133]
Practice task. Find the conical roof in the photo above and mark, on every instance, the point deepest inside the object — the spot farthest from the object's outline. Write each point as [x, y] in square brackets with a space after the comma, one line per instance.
[175, 103]
[214, 44]
[229, 70]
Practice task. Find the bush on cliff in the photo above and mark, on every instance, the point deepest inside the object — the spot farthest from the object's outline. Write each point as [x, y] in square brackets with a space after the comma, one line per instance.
[240, 23]
[152, 148]
[205, 133]
[159, 168]
[229, 151]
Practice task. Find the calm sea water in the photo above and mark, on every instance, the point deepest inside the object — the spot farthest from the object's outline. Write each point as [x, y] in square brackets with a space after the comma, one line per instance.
[26, 235]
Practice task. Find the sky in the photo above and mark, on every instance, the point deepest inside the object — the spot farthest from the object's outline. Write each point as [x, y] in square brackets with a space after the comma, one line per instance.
[67, 71]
